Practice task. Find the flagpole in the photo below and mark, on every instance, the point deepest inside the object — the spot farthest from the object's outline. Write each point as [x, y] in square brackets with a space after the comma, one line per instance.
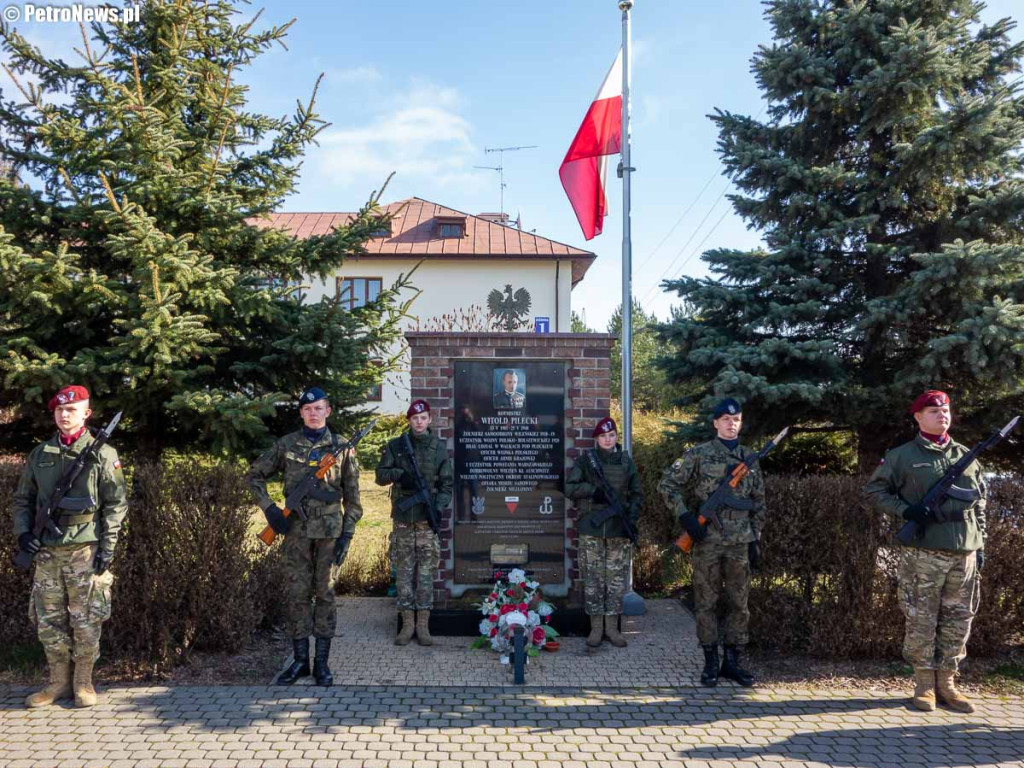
[632, 603]
[626, 334]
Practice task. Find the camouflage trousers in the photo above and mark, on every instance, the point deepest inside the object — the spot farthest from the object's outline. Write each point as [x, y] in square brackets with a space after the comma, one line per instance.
[604, 564]
[310, 593]
[416, 553]
[721, 569]
[939, 595]
[69, 603]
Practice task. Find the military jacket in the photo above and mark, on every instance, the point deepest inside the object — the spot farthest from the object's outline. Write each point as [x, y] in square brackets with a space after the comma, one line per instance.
[686, 484]
[621, 473]
[509, 399]
[904, 477]
[295, 456]
[98, 494]
[432, 459]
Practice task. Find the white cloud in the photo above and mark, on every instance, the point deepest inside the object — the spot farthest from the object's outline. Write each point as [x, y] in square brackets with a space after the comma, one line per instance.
[421, 134]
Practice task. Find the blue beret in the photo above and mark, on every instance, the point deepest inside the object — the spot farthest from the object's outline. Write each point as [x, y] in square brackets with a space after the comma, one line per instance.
[729, 405]
[311, 395]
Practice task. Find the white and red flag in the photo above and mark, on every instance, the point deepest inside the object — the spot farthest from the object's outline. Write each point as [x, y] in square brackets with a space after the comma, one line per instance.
[584, 168]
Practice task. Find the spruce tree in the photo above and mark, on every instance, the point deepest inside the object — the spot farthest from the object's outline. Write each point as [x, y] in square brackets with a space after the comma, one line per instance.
[886, 181]
[127, 258]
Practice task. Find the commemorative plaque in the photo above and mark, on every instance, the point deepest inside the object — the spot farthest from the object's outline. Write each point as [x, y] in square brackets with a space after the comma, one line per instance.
[509, 469]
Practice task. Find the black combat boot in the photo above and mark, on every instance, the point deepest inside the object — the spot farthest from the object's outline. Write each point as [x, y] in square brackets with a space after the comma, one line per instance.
[709, 676]
[731, 669]
[321, 672]
[300, 663]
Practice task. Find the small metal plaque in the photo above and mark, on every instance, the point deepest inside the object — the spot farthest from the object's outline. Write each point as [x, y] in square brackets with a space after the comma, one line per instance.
[510, 554]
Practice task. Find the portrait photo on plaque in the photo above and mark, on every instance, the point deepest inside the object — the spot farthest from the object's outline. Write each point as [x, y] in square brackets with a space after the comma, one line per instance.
[509, 388]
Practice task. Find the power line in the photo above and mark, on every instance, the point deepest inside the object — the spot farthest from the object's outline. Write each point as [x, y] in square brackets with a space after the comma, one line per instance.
[679, 220]
[693, 253]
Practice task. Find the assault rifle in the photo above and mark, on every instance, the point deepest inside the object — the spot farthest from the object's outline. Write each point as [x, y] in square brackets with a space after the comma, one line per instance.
[615, 507]
[722, 496]
[945, 486]
[47, 515]
[422, 495]
[293, 502]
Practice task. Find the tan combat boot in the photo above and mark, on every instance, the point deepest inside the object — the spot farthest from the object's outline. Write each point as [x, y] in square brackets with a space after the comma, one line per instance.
[948, 693]
[596, 631]
[611, 629]
[59, 687]
[924, 690]
[85, 694]
[408, 627]
[423, 628]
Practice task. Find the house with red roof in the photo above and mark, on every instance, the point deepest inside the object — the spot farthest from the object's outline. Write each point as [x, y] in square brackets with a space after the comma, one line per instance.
[462, 258]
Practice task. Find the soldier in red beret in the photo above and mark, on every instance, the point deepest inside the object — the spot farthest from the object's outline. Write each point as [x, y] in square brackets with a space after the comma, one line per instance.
[938, 570]
[415, 545]
[604, 537]
[71, 584]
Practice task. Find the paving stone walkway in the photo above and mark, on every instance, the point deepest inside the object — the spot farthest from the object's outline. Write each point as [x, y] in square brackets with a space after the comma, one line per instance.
[608, 708]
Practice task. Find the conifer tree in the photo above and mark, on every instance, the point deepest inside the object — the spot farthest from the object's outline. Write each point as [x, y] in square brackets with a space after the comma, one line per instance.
[128, 260]
[886, 181]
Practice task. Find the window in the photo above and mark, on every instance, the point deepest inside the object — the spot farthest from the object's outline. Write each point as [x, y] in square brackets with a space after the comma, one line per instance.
[376, 392]
[452, 230]
[353, 292]
[383, 229]
[451, 226]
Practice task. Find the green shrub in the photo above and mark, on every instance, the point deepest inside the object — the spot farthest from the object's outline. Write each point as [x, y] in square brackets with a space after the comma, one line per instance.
[388, 426]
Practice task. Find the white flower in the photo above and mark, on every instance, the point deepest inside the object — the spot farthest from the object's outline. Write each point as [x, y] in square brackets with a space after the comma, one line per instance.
[503, 658]
[532, 619]
[515, 617]
[545, 609]
[516, 576]
[486, 627]
[532, 584]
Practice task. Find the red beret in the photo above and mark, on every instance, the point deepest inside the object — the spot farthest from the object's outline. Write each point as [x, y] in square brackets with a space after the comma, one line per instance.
[604, 426]
[417, 406]
[67, 395]
[933, 397]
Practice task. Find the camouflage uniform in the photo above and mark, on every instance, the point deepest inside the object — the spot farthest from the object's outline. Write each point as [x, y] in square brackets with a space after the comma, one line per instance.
[604, 547]
[721, 561]
[69, 601]
[938, 576]
[309, 545]
[413, 542]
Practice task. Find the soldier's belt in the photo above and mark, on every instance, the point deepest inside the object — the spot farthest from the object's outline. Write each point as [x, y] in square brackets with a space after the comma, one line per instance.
[320, 494]
[76, 503]
[66, 520]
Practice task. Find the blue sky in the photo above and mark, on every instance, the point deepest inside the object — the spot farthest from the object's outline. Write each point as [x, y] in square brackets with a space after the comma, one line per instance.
[423, 88]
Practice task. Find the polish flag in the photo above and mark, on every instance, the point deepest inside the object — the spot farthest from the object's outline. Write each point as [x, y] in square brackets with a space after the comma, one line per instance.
[585, 165]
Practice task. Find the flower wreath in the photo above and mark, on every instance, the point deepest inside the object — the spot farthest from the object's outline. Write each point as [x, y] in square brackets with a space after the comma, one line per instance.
[515, 600]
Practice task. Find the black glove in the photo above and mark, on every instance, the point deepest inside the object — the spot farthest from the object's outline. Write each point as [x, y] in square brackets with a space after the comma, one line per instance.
[101, 562]
[754, 556]
[29, 543]
[408, 482]
[918, 513]
[341, 545]
[693, 527]
[981, 559]
[598, 496]
[278, 522]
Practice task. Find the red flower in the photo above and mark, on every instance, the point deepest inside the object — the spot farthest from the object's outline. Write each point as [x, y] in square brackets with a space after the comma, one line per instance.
[494, 631]
[510, 592]
[523, 607]
[507, 609]
[545, 619]
[539, 635]
[493, 617]
[494, 595]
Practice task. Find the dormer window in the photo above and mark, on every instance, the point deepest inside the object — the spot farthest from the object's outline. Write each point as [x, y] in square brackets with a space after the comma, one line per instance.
[451, 226]
[383, 229]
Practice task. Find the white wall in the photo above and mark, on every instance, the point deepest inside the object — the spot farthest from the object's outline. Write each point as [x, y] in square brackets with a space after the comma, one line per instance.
[448, 285]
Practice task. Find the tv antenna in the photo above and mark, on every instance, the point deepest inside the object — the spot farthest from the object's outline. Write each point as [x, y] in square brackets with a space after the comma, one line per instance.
[500, 168]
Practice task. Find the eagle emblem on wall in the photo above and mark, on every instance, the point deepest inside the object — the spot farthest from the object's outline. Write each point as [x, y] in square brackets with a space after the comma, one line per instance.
[510, 310]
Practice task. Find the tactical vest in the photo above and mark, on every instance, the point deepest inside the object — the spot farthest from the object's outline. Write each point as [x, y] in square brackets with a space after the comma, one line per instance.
[425, 451]
[617, 475]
